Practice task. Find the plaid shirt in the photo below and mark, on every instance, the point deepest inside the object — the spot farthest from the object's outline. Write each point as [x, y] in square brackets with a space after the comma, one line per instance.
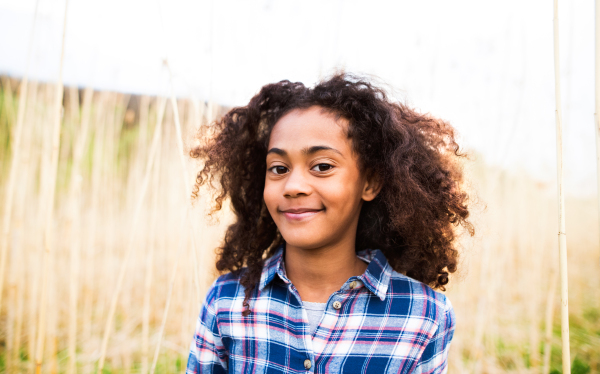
[379, 322]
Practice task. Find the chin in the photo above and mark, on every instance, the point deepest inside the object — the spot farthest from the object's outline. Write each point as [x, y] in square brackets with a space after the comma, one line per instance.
[303, 240]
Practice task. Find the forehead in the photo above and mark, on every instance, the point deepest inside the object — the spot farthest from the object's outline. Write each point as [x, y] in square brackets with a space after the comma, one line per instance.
[311, 126]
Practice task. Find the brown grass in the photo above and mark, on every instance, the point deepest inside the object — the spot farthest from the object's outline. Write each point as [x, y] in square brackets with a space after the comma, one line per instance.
[503, 296]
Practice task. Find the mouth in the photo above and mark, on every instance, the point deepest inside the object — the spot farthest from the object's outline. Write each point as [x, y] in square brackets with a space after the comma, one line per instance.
[300, 214]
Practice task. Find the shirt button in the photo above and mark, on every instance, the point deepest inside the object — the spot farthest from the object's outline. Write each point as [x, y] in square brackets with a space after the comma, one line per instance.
[307, 364]
[353, 285]
[337, 305]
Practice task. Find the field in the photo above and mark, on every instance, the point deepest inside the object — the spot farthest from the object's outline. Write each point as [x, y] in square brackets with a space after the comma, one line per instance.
[107, 226]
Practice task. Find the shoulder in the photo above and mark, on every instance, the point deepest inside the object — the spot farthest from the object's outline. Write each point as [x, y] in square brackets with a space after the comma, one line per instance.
[227, 279]
[431, 304]
[226, 286]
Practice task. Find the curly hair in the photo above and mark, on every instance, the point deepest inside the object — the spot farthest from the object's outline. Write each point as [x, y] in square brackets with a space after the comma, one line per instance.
[414, 156]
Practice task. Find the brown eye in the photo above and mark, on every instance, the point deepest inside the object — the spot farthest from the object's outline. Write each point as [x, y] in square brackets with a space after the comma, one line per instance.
[322, 167]
[279, 170]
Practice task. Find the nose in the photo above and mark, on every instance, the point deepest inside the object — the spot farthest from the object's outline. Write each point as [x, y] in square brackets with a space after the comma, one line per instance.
[296, 184]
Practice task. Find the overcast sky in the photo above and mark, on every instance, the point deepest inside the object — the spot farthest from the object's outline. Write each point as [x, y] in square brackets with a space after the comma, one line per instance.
[486, 66]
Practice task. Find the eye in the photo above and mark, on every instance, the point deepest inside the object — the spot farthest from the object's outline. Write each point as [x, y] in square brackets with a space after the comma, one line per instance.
[278, 169]
[322, 167]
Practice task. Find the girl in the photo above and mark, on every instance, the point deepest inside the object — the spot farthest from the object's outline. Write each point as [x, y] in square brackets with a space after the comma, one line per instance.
[345, 204]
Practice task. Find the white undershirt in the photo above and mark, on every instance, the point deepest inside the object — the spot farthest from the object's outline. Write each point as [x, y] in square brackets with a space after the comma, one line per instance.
[315, 312]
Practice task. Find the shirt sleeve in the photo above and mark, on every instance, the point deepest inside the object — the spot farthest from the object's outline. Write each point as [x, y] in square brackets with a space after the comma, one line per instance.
[207, 352]
[434, 359]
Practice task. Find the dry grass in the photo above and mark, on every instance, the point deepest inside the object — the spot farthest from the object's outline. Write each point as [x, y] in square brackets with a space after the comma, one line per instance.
[501, 296]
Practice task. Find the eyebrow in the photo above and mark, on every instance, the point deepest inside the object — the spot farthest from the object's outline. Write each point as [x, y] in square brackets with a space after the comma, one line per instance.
[306, 151]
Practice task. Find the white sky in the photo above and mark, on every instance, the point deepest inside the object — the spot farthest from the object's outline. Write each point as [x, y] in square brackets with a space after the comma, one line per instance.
[485, 66]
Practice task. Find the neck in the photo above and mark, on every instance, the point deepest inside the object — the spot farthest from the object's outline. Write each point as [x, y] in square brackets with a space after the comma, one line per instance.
[318, 272]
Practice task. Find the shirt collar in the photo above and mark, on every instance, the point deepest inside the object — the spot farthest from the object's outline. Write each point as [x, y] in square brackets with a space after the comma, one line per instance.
[376, 278]
[271, 266]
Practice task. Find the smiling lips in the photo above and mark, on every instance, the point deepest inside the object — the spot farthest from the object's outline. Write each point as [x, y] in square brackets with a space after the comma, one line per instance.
[300, 213]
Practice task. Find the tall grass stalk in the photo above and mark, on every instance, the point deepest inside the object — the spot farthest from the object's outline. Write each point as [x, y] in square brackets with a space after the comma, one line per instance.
[597, 103]
[134, 226]
[562, 236]
[50, 187]
[185, 175]
[28, 167]
[149, 250]
[536, 250]
[169, 295]
[549, 318]
[75, 222]
[16, 156]
[187, 219]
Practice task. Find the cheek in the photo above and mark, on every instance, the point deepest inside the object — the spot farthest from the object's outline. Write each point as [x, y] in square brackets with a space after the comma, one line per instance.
[343, 195]
[270, 197]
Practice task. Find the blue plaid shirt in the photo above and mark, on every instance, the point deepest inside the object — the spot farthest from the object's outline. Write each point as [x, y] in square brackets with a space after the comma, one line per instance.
[379, 322]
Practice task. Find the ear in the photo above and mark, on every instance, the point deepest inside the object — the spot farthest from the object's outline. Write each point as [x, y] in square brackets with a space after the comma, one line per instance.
[372, 187]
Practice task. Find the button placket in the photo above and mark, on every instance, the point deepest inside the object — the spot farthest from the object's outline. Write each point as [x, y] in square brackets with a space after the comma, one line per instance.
[306, 338]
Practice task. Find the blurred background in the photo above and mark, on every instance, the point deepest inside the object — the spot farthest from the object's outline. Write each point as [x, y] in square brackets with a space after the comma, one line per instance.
[104, 262]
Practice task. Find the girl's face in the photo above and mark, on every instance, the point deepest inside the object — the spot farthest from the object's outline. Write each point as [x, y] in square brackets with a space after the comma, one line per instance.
[313, 187]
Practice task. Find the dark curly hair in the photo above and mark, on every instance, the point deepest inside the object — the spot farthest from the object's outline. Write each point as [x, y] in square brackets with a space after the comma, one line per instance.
[415, 156]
